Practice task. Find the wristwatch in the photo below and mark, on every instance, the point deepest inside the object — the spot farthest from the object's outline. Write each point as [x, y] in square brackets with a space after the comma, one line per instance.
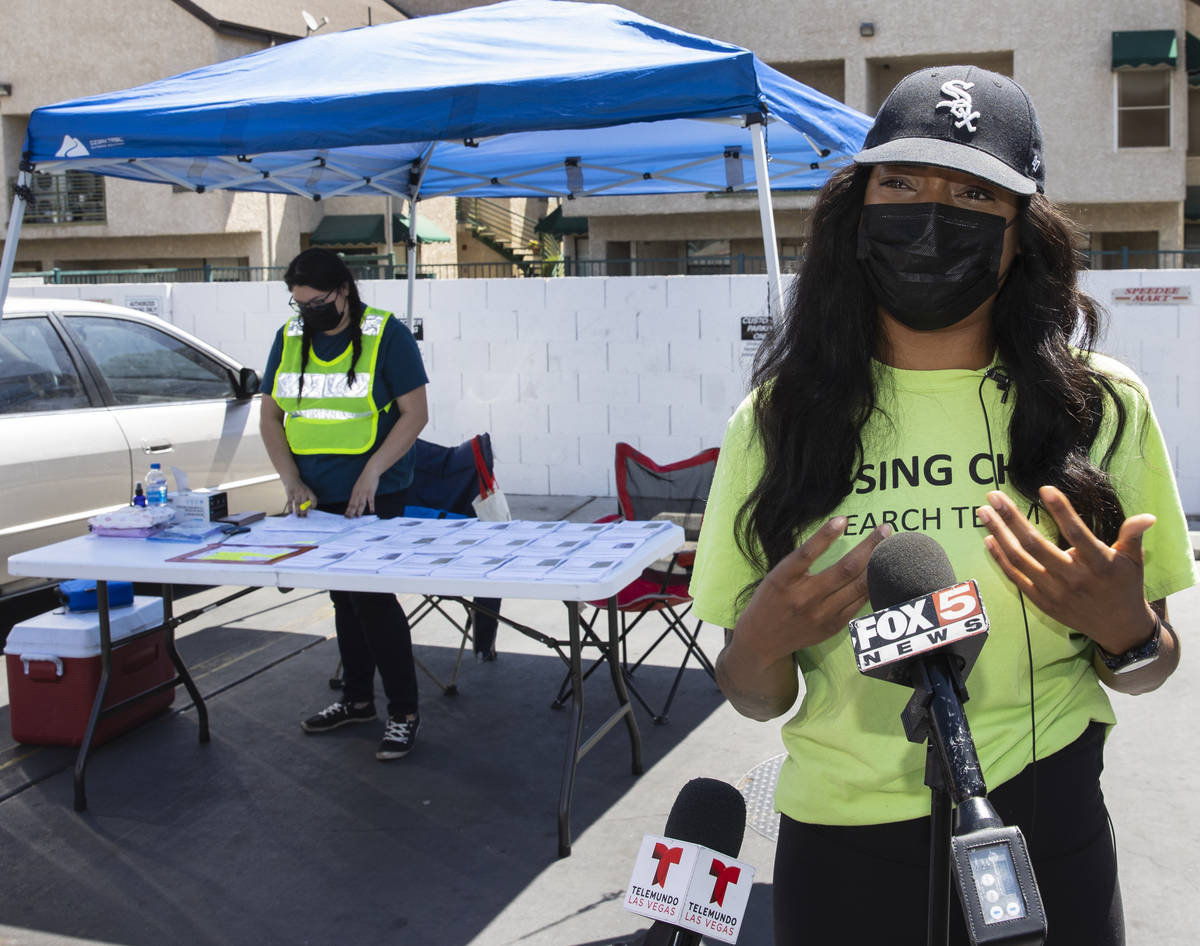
[1140, 656]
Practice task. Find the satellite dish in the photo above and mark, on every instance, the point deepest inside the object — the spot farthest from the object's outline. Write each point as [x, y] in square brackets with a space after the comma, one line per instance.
[311, 23]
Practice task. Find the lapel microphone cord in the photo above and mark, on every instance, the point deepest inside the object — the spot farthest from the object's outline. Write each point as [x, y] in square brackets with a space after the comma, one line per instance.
[1003, 383]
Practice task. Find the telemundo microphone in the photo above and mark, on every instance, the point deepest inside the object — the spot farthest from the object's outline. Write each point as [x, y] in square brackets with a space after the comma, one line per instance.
[925, 631]
[689, 880]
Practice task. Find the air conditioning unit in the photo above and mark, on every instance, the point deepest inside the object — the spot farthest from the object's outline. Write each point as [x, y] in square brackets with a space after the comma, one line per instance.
[44, 182]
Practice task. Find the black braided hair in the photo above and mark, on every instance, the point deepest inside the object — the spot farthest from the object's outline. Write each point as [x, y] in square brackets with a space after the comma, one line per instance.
[324, 271]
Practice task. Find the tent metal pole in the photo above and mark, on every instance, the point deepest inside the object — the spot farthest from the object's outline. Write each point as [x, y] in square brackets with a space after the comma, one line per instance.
[24, 178]
[767, 215]
[416, 175]
[391, 237]
[412, 256]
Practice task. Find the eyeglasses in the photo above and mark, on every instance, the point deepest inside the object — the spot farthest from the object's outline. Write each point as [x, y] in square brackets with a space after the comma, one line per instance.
[299, 307]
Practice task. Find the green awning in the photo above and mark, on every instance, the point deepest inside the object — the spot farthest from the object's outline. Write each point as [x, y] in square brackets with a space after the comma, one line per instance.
[1191, 205]
[556, 224]
[427, 230]
[367, 230]
[1191, 58]
[1132, 48]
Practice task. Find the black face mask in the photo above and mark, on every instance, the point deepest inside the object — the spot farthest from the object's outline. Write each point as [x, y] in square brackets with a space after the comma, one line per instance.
[320, 318]
[930, 265]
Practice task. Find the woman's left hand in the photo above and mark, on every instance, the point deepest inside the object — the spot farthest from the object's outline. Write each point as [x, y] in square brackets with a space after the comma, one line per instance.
[1091, 587]
[362, 497]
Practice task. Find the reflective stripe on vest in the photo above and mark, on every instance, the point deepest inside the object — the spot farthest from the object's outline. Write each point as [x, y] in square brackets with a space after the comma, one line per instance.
[330, 415]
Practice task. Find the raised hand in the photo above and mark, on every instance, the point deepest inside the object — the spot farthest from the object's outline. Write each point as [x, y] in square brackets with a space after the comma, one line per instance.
[1091, 587]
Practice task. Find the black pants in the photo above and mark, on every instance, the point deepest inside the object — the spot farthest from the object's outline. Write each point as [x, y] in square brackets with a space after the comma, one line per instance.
[373, 634]
[870, 884]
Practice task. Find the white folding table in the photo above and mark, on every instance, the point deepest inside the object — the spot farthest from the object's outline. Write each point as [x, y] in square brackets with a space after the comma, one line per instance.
[105, 559]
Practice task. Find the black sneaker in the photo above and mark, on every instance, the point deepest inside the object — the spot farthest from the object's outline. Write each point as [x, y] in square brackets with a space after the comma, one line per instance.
[339, 714]
[399, 737]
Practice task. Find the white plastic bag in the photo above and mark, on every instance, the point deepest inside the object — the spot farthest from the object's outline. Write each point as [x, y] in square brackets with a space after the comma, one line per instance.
[491, 505]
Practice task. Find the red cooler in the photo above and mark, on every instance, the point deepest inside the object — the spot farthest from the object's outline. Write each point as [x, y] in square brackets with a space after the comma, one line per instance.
[53, 665]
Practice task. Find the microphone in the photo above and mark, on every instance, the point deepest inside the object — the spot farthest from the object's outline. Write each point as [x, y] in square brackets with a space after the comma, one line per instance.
[926, 631]
[920, 608]
[691, 874]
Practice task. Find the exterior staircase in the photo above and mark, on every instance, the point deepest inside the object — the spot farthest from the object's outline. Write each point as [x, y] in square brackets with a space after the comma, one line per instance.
[504, 230]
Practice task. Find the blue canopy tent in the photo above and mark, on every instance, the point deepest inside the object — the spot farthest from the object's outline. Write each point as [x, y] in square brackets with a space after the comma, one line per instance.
[521, 98]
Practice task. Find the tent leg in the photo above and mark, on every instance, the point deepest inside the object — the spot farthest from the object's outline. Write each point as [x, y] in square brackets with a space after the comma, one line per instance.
[14, 234]
[767, 215]
[412, 256]
[391, 238]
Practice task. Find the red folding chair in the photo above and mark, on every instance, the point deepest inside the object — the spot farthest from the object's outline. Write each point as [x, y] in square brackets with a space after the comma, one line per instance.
[648, 490]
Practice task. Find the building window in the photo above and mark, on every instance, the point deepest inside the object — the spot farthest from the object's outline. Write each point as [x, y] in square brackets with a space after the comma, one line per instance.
[708, 257]
[1191, 245]
[1193, 121]
[1144, 108]
[70, 197]
[1126, 249]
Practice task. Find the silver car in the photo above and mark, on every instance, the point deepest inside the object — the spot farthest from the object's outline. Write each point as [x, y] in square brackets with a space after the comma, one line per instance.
[90, 396]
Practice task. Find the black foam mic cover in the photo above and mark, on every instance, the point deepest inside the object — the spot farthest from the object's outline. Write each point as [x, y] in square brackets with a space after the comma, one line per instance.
[904, 566]
[710, 812]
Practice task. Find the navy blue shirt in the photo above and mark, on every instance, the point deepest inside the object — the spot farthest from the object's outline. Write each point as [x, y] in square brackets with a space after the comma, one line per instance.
[398, 370]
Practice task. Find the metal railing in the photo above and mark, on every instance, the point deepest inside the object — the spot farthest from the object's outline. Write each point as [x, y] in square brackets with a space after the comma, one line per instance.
[383, 268]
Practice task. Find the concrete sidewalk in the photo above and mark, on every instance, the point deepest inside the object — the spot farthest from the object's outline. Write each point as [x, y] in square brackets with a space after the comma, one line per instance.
[268, 836]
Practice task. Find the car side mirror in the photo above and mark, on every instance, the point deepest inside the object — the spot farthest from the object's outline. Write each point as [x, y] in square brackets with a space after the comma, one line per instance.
[248, 383]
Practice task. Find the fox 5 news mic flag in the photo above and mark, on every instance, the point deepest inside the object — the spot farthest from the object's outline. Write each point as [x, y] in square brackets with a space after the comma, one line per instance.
[690, 886]
[951, 619]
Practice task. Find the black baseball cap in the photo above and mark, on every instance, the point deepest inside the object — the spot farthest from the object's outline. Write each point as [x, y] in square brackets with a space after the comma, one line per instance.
[964, 118]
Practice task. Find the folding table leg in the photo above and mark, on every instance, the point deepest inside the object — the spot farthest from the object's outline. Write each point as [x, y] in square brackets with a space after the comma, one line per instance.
[101, 692]
[574, 732]
[618, 679]
[180, 669]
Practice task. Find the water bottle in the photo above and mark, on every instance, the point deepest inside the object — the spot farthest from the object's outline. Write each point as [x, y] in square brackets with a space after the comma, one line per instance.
[156, 486]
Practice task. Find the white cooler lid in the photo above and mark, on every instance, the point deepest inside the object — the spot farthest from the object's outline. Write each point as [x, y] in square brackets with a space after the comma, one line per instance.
[63, 633]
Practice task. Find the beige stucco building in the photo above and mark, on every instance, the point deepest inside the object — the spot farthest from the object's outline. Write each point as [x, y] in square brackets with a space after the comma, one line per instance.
[1119, 142]
[1109, 78]
[51, 50]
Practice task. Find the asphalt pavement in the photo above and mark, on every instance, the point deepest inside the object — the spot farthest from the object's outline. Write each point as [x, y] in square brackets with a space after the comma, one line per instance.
[267, 835]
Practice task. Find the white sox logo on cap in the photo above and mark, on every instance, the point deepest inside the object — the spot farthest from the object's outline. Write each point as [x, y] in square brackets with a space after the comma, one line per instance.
[959, 103]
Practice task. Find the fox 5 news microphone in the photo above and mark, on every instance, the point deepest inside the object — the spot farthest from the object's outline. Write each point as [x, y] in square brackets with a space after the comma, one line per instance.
[926, 631]
[689, 880]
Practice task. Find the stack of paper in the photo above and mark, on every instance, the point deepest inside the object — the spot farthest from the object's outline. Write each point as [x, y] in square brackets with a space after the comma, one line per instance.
[526, 568]
[417, 564]
[368, 560]
[314, 560]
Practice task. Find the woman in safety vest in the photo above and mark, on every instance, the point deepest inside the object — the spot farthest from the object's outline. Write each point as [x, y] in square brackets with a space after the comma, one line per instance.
[344, 404]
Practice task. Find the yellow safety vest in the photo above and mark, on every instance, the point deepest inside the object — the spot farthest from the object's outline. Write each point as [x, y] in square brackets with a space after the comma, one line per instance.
[334, 415]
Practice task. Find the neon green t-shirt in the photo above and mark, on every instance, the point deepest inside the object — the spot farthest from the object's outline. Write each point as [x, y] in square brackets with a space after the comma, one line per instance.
[927, 467]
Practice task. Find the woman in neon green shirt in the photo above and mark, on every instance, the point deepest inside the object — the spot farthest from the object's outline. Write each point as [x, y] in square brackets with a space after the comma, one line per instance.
[924, 378]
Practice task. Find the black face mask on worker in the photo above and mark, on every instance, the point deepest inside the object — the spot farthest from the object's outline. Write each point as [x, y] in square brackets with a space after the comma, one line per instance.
[930, 265]
[320, 318]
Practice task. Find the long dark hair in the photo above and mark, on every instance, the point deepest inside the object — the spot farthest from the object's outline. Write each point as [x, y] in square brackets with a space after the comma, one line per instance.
[325, 271]
[815, 387]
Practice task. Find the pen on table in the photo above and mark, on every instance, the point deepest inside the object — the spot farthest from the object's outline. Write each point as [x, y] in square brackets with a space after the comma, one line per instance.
[232, 530]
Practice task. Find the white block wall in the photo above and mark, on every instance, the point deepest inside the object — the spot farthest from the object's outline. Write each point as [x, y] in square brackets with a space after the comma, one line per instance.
[1162, 344]
[560, 370]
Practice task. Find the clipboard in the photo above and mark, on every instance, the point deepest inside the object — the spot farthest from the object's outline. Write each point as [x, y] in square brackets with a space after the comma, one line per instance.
[220, 553]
